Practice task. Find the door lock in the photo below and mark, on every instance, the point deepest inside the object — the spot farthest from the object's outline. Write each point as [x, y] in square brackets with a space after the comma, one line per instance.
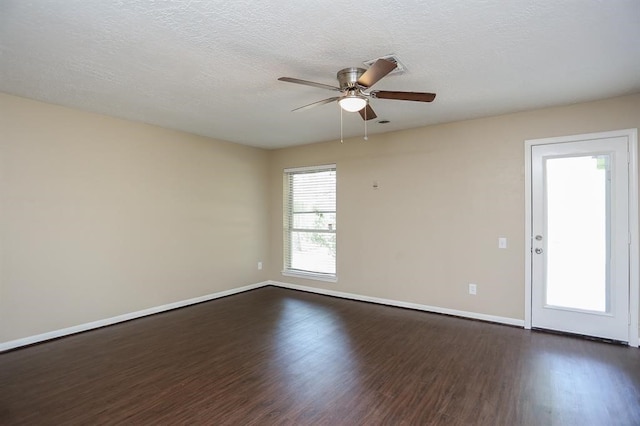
[538, 250]
[538, 237]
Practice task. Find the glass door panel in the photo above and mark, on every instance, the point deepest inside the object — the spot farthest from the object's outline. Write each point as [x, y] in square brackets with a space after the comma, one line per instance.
[578, 224]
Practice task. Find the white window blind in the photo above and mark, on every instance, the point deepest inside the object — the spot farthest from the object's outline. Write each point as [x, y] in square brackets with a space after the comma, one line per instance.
[310, 221]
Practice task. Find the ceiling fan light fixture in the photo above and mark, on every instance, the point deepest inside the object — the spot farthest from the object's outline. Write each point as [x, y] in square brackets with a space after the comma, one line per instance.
[352, 103]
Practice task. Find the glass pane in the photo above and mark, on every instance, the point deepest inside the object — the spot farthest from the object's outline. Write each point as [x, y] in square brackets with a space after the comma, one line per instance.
[577, 196]
[313, 251]
[314, 191]
[325, 221]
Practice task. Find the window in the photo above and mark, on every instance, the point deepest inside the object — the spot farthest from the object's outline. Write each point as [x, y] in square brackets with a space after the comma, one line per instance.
[310, 222]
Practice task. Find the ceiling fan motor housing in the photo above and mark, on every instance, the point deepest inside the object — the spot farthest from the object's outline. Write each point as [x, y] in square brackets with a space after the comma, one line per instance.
[348, 77]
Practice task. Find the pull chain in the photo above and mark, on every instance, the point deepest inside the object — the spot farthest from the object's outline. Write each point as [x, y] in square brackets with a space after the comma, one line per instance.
[341, 140]
[366, 138]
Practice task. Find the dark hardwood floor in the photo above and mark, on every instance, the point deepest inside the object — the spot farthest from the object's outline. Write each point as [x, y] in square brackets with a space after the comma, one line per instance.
[276, 356]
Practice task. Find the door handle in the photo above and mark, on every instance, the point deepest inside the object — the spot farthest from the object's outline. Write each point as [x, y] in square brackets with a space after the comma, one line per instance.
[538, 250]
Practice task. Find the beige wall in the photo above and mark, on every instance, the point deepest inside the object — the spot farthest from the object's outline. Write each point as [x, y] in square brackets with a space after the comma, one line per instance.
[101, 217]
[446, 193]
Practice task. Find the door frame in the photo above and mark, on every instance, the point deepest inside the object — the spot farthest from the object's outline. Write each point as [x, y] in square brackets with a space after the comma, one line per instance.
[634, 256]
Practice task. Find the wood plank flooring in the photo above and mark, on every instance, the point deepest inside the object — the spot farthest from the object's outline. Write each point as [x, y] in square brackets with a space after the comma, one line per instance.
[277, 356]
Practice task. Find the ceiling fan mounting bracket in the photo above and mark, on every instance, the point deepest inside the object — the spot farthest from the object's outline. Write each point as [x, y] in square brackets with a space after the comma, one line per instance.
[348, 77]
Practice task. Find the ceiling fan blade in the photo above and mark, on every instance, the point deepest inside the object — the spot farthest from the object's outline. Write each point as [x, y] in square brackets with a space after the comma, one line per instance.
[404, 96]
[379, 69]
[370, 115]
[318, 103]
[309, 83]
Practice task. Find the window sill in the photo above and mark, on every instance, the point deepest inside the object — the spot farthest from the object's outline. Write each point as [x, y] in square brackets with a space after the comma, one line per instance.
[311, 276]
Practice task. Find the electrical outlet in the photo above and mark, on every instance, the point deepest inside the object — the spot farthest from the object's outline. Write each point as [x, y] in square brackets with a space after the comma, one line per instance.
[502, 243]
[259, 265]
[473, 289]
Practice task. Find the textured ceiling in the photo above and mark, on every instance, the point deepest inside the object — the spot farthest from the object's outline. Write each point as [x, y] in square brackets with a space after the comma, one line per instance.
[211, 67]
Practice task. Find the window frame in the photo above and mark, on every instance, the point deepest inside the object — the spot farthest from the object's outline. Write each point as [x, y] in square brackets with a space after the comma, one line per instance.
[288, 222]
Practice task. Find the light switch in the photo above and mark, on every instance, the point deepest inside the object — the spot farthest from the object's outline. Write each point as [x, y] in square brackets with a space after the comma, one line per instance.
[502, 243]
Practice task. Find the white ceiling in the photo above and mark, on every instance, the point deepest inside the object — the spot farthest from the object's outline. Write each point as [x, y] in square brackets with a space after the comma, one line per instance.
[210, 67]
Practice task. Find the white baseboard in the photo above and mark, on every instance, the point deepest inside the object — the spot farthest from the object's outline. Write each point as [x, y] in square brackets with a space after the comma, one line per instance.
[400, 304]
[12, 344]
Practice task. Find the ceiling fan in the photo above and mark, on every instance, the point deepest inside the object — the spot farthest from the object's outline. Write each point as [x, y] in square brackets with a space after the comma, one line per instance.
[354, 83]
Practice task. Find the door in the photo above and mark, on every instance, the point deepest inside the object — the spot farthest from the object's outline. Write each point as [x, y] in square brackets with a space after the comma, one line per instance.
[580, 237]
